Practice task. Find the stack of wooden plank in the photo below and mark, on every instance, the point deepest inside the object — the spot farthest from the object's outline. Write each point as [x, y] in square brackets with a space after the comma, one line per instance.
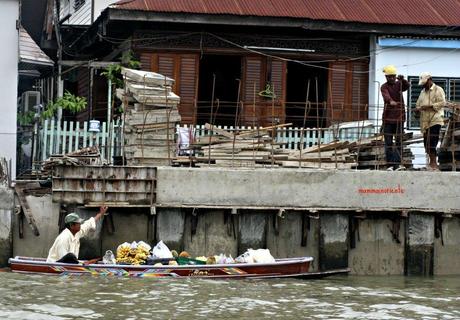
[449, 151]
[151, 116]
[371, 153]
[249, 148]
[333, 155]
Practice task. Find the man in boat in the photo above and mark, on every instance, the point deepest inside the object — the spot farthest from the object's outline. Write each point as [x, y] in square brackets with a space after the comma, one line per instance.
[394, 116]
[67, 244]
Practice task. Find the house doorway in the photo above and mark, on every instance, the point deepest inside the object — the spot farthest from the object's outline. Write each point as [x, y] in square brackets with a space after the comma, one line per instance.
[226, 69]
[298, 76]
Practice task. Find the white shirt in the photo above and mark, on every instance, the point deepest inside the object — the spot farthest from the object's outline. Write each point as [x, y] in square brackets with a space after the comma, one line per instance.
[66, 242]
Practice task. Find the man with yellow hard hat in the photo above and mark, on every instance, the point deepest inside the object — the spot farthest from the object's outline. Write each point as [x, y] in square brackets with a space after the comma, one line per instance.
[394, 116]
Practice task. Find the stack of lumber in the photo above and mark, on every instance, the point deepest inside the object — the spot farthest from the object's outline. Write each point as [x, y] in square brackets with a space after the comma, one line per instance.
[249, 148]
[449, 151]
[151, 116]
[333, 155]
[81, 157]
[371, 153]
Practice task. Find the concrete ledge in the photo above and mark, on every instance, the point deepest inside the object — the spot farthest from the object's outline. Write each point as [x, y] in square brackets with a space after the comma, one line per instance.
[308, 189]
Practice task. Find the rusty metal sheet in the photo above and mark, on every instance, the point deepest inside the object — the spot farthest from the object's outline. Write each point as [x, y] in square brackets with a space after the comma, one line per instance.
[97, 185]
[424, 12]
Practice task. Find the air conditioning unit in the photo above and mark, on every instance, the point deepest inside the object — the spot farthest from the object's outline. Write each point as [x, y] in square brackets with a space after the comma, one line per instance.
[29, 100]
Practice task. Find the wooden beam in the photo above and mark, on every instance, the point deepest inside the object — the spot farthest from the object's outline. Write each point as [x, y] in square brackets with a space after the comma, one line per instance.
[26, 209]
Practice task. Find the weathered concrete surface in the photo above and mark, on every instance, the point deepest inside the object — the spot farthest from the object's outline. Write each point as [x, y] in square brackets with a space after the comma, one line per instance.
[129, 224]
[377, 251]
[214, 234]
[252, 232]
[366, 190]
[447, 248]
[90, 246]
[419, 244]
[46, 214]
[6, 243]
[170, 227]
[6, 226]
[287, 242]
[333, 241]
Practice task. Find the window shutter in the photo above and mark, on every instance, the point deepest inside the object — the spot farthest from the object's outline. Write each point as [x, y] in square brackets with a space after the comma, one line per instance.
[188, 82]
[359, 95]
[146, 61]
[252, 77]
[337, 91]
[278, 78]
[348, 92]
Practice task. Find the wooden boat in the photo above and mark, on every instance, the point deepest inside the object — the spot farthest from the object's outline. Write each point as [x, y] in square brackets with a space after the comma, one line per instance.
[281, 268]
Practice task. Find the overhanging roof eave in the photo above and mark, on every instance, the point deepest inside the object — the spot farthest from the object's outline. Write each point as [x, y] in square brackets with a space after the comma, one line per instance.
[288, 22]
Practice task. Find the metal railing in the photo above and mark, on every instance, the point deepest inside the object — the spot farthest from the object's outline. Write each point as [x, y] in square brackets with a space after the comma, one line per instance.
[69, 136]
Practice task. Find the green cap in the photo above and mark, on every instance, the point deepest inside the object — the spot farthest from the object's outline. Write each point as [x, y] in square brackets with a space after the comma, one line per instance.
[73, 218]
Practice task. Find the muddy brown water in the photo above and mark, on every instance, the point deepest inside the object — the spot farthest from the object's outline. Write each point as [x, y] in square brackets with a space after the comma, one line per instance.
[340, 297]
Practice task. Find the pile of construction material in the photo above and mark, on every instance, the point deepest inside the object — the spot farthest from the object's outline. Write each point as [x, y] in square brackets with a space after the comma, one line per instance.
[248, 148]
[257, 148]
[333, 155]
[150, 118]
[371, 153]
[87, 156]
[449, 151]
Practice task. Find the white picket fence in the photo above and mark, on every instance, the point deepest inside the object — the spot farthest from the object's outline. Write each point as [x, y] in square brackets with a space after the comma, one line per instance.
[291, 137]
[71, 135]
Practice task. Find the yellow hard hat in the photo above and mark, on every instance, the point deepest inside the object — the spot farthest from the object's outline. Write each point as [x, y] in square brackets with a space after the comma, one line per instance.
[390, 70]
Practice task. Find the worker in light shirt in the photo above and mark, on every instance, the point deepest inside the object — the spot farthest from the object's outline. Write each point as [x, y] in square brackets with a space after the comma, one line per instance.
[431, 104]
[66, 247]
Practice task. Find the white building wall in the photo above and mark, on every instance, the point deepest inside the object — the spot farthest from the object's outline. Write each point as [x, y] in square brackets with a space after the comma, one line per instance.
[9, 38]
[101, 5]
[83, 16]
[441, 62]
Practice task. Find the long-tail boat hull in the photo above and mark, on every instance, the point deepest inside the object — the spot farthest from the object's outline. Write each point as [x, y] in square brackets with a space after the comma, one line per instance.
[281, 268]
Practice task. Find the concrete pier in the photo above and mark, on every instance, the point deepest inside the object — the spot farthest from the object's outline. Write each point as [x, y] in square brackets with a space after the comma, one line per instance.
[379, 246]
[447, 246]
[333, 241]
[419, 244]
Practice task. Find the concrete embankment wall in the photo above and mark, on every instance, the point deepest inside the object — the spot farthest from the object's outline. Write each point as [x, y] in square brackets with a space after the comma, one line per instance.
[371, 243]
[375, 223]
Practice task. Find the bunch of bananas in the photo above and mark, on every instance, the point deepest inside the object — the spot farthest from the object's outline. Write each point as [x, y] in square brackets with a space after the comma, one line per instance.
[132, 254]
[123, 254]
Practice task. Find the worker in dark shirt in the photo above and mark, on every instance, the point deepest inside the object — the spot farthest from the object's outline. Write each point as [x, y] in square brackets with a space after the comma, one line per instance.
[394, 116]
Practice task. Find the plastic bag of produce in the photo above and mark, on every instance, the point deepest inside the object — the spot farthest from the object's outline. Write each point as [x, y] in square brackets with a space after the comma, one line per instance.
[144, 245]
[229, 259]
[109, 258]
[161, 251]
[223, 259]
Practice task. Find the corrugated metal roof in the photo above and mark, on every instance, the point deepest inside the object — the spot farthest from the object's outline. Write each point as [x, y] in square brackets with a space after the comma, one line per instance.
[404, 12]
[30, 52]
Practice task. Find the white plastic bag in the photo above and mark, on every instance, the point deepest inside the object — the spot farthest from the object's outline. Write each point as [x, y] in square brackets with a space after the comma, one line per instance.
[256, 256]
[261, 256]
[245, 258]
[161, 251]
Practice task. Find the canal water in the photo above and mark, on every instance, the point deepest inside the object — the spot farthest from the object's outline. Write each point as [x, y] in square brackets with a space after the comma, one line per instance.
[52, 298]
